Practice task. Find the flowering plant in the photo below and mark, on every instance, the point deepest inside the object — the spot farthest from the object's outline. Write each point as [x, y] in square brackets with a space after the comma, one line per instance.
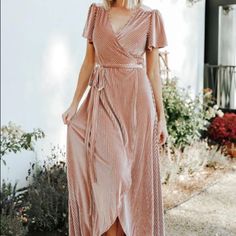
[222, 130]
[187, 117]
[14, 139]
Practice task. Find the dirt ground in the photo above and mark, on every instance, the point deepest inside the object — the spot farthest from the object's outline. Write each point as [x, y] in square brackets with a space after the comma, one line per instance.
[205, 206]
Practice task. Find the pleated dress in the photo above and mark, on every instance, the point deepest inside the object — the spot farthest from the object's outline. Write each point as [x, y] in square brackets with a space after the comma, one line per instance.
[112, 145]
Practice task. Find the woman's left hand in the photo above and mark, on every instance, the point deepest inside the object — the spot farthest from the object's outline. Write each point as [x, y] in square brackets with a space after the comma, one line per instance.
[162, 132]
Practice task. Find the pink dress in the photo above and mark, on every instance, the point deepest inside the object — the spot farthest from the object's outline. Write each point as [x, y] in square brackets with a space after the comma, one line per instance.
[112, 145]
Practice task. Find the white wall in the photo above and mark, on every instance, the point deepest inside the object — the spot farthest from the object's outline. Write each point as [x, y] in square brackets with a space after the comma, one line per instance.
[42, 51]
[185, 26]
[227, 37]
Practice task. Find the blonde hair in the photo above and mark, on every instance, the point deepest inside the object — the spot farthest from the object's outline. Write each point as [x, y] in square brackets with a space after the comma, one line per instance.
[130, 4]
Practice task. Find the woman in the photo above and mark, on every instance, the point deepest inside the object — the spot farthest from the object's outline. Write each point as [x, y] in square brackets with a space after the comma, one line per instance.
[113, 139]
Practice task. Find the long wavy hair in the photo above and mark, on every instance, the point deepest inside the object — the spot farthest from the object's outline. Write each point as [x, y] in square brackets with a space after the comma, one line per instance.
[130, 4]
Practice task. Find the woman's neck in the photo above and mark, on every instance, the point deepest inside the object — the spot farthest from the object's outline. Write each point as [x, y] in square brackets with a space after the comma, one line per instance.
[119, 3]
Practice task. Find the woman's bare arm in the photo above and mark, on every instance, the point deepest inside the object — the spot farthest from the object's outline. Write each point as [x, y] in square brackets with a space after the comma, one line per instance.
[84, 74]
[153, 73]
[82, 82]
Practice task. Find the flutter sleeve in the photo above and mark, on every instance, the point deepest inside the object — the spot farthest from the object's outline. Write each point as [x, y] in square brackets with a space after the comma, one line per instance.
[156, 36]
[90, 22]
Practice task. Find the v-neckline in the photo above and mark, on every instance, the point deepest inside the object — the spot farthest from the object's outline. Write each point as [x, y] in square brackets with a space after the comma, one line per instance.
[132, 15]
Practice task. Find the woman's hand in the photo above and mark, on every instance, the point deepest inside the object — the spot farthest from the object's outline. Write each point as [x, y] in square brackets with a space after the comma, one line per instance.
[68, 114]
[162, 132]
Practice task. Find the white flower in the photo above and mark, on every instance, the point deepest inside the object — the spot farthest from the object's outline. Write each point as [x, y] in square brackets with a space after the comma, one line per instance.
[220, 113]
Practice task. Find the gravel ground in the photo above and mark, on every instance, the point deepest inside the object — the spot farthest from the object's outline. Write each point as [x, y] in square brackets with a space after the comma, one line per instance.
[210, 213]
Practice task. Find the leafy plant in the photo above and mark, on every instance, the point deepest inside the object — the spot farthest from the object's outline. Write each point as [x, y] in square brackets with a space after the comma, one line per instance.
[46, 196]
[12, 220]
[14, 139]
[40, 206]
[187, 118]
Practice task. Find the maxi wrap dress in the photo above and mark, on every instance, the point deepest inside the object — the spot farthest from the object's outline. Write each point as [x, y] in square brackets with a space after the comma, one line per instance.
[112, 145]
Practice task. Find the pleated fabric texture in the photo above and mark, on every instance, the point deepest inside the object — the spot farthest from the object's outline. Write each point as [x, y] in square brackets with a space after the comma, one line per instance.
[112, 145]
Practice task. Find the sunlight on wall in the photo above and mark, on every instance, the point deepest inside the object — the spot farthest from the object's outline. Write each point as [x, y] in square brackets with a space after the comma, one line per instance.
[57, 66]
[57, 59]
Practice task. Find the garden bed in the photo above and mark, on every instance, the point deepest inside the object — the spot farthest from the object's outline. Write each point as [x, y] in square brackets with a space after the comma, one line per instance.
[183, 189]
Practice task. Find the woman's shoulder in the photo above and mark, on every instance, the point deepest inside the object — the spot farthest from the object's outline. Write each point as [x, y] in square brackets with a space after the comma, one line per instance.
[94, 6]
[143, 7]
[97, 5]
[148, 10]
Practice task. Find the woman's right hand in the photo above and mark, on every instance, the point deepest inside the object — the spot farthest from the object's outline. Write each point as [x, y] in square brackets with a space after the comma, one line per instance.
[68, 114]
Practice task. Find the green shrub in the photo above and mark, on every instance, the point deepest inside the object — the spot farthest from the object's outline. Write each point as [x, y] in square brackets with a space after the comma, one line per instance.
[11, 226]
[187, 118]
[12, 221]
[46, 196]
[42, 205]
[14, 139]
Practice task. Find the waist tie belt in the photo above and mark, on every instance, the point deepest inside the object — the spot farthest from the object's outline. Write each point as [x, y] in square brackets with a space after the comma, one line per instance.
[97, 83]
